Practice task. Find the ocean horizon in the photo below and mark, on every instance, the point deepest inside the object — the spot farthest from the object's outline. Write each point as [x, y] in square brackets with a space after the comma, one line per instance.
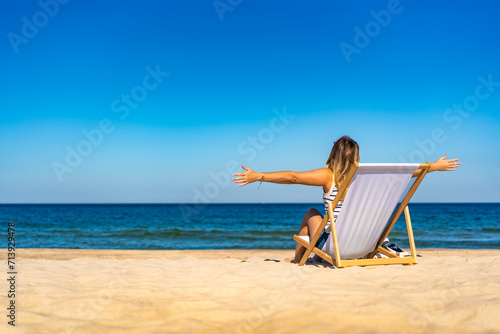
[228, 225]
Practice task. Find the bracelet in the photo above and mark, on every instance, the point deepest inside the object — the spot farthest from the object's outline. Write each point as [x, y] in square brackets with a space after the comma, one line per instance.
[262, 179]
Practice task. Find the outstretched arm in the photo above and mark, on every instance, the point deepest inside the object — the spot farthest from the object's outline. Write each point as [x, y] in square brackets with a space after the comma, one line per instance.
[318, 177]
[441, 164]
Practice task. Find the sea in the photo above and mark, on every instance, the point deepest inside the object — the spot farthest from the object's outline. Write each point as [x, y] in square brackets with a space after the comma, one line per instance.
[227, 226]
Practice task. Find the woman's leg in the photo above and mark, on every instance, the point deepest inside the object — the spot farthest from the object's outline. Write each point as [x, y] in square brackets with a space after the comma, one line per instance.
[310, 223]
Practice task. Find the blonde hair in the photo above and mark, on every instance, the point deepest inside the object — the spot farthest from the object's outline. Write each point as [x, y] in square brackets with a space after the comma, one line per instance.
[345, 152]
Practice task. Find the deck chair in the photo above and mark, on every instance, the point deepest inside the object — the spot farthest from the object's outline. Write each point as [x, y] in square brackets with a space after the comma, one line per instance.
[371, 194]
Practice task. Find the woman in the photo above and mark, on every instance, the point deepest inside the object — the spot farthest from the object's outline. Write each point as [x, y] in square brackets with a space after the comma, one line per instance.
[345, 152]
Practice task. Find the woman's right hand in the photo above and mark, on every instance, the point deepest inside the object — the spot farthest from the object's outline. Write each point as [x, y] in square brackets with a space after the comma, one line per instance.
[247, 177]
[443, 164]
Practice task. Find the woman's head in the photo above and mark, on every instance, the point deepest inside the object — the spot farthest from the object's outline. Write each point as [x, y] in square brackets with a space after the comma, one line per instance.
[345, 152]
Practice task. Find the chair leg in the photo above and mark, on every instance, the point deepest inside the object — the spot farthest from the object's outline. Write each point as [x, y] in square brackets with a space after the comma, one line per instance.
[307, 251]
[411, 240]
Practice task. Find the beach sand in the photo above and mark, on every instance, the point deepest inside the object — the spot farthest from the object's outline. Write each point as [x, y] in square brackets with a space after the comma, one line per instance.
[249, 291]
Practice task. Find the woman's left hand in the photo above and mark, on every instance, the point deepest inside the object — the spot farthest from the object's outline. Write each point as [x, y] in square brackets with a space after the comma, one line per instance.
[247, 177]
[443, 164]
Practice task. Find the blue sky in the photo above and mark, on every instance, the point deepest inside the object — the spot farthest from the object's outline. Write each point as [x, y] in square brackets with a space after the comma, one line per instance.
[173, 94]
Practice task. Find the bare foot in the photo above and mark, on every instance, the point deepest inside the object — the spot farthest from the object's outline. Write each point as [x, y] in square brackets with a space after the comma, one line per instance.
[289, 260]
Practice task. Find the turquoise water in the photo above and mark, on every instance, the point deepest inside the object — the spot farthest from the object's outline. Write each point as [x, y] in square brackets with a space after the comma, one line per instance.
[224, 226]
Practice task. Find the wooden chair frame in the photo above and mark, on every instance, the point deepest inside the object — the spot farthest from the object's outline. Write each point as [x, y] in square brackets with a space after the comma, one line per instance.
[392, 258]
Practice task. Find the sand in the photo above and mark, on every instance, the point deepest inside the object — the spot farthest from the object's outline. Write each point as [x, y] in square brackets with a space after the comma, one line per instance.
[249, 291]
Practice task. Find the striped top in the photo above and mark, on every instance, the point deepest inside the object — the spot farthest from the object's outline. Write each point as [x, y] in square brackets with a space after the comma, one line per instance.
[328, 198]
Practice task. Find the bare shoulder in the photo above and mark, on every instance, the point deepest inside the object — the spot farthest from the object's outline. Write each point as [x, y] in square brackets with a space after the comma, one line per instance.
[325, 171]
[317, 177]
[326, 175]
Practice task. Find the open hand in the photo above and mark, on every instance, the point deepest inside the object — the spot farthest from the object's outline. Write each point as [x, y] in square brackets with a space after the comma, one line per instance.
[247, 177]
[443, 164]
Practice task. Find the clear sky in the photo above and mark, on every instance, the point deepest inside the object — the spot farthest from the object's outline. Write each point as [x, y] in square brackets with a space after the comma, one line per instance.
[134, 101]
